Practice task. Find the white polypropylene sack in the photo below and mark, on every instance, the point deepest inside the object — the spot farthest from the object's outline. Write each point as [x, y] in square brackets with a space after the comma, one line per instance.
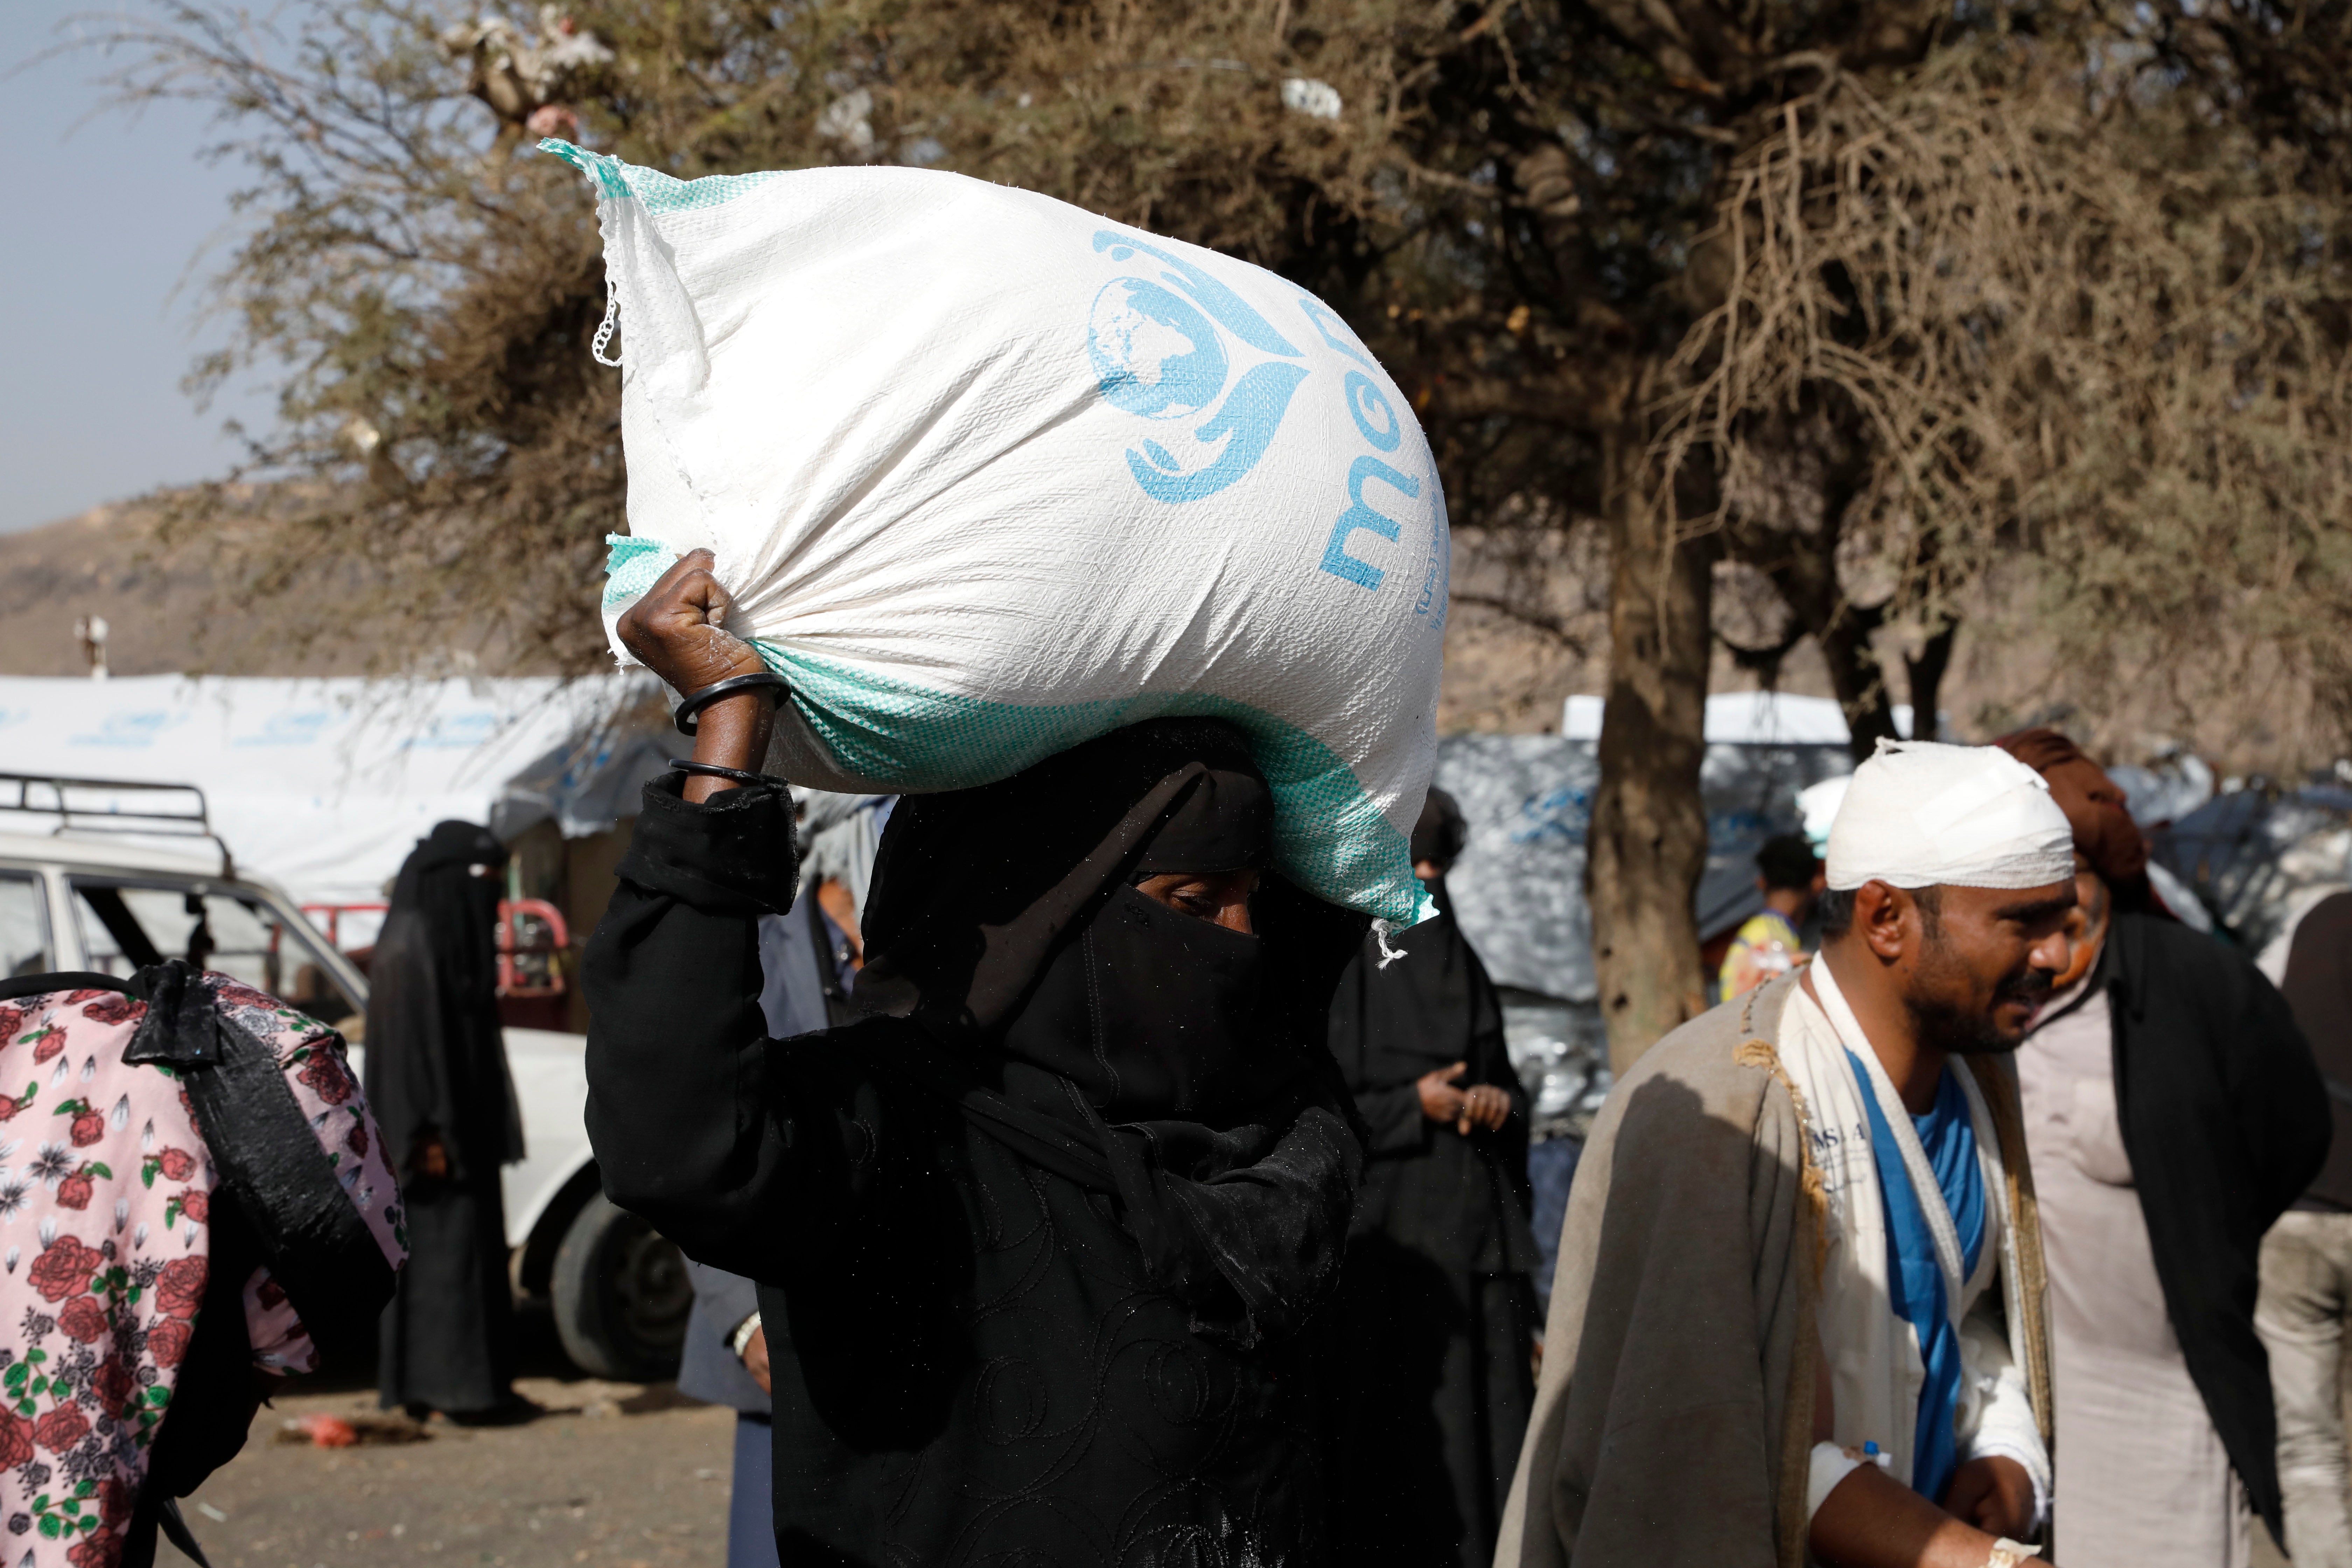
[989, 476]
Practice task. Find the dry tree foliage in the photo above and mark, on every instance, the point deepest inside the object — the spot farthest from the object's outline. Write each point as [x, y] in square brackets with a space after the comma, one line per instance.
[1851, 299]
[446, 462]
[1992, 302]
[446, 457]
[2059, 313]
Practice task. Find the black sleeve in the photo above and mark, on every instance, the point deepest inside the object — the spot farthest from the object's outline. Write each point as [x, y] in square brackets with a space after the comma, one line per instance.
[1490, 1062]
[688, 1120]
[1393, 1120]
[406, 1076]
[2280, 1099]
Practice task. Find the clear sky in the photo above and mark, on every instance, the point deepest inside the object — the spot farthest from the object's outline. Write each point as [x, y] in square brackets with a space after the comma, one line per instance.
[99, 309]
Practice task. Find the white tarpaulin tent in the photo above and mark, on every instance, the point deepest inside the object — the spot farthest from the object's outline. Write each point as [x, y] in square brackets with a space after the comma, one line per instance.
[324, 786]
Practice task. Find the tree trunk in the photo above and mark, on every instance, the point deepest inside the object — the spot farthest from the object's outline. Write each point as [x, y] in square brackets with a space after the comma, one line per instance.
[1925, 676]
[1804, 567]
[1647, 844]
[1858, 677]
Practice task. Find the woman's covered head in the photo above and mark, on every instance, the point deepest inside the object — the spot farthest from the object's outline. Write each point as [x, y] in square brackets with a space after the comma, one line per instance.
[1205, 859]
[2097, 811]
[1110, 914]
[450, 881]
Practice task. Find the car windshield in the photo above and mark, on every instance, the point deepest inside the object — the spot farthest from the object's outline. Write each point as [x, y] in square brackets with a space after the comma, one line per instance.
[126, 925]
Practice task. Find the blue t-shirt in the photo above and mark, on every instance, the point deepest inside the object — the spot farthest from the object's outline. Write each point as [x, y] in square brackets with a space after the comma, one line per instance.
[1915, 1279]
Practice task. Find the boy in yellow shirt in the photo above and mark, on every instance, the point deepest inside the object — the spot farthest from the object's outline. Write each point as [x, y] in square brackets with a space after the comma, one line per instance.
[1768, 945]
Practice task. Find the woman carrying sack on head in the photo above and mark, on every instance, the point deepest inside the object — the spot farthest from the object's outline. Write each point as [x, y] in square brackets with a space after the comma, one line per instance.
[1036, 1243]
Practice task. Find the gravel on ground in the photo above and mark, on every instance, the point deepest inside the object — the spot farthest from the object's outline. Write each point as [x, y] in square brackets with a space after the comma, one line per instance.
[613, 1476]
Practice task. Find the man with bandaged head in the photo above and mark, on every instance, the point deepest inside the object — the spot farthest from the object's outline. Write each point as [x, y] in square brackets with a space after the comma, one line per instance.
[1799, 1314]
[2173, 1112]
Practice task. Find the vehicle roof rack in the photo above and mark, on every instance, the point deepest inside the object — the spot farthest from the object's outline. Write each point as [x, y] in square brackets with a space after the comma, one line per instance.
[114, 805]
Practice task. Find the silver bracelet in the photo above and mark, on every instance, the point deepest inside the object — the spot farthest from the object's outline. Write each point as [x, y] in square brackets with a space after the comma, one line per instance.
[741, 1338]
[2007, 1554]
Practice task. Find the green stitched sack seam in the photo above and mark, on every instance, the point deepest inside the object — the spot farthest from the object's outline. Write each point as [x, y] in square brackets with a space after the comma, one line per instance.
[1330, 835]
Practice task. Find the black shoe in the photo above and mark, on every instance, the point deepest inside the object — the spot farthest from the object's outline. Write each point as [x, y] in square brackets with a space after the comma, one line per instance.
[514, 1410]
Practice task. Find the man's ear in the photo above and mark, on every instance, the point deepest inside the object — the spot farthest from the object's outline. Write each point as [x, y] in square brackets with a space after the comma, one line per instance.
[1882, 916]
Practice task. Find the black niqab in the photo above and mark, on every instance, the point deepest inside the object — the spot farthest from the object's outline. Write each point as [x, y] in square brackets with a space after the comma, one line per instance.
[1435, 1310]
[435, 1064]
[973, 891]
[1440, 832]
[1005, 921]
[460, 908]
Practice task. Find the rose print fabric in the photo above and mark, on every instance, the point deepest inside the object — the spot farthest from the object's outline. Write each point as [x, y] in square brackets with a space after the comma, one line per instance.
[106, 1195]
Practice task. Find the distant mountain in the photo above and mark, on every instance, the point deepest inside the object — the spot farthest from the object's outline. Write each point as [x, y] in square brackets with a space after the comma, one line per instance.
[92, 564]
[1501, 675]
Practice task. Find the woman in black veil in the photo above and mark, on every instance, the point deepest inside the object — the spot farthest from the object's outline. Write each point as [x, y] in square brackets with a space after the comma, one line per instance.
[1037, 1242]
[436, 1075]
[1435, 1318]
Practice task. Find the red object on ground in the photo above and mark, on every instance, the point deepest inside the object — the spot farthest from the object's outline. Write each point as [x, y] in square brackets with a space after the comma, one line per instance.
[330, 1431]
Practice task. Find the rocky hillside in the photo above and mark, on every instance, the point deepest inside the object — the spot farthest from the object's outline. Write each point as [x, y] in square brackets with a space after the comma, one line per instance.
[1502, 673]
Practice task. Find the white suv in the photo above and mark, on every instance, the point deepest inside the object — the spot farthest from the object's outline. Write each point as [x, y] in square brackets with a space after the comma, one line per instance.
[76, 897]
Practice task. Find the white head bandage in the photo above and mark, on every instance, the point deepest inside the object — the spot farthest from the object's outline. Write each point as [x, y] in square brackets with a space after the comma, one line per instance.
[1921, 815]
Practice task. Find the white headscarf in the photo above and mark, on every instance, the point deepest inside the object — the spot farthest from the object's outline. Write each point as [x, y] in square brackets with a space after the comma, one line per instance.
[1923, 815]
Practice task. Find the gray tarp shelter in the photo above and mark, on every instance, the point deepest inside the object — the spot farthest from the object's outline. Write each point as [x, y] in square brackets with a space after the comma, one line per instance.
[1519, 889]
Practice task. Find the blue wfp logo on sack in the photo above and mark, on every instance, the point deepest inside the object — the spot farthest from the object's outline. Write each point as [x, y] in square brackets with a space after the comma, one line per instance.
[1377, 423]
[1156, 354]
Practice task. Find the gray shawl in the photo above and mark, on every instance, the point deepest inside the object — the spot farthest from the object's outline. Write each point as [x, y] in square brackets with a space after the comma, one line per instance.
[1674, 1420]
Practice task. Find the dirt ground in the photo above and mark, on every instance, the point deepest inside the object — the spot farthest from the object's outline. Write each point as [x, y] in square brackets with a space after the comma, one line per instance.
[616, 1476]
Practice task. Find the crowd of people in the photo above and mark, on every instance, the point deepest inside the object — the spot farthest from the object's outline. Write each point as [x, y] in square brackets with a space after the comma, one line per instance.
[1062, 1185]
[1097, 1195]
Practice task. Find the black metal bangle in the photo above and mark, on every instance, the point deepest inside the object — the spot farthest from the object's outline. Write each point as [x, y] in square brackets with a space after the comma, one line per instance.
[712, 770]
[690, 707]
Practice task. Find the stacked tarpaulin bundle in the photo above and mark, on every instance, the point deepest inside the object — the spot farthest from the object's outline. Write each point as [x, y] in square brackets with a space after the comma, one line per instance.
[989, 476]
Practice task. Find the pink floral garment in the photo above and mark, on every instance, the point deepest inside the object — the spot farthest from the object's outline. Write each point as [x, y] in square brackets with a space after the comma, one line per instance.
[106, 1193]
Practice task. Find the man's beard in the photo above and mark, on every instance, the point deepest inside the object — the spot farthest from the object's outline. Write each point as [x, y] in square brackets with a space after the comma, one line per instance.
[1939, 1025]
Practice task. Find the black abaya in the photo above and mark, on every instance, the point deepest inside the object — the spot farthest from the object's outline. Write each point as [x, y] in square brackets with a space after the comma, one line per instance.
[1436, 1306]
[1034, 1245]
[436, 1071]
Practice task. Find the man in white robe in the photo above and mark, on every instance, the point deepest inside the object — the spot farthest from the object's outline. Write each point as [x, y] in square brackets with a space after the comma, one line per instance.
[1799, 1314]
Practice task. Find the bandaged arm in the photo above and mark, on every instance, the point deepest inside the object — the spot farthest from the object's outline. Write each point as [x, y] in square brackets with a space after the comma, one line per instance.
[1996, 1412]
[1995, 1417]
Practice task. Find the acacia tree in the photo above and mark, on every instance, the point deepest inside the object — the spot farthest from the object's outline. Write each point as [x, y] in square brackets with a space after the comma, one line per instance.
[2042, 313]
[1858, 300]
[430, 288]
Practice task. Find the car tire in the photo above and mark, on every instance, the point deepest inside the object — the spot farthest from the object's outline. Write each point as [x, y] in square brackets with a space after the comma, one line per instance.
[621, 1294]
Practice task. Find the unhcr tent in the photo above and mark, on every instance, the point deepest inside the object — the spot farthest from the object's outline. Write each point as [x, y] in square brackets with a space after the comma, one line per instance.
[324, 786]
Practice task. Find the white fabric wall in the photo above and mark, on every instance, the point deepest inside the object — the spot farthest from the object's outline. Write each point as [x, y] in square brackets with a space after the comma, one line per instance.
[324, 786]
